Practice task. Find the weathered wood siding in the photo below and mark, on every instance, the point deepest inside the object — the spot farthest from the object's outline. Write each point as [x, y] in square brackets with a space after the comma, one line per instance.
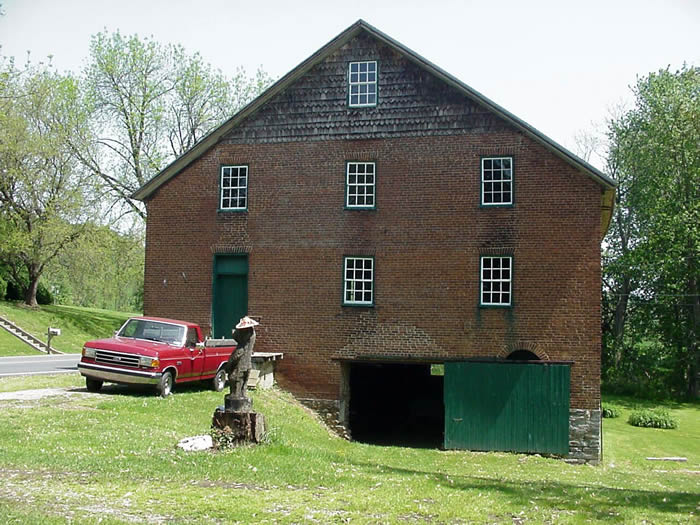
[412, 102]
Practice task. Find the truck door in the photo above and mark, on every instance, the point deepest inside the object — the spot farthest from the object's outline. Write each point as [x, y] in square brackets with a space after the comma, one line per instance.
[196, 354]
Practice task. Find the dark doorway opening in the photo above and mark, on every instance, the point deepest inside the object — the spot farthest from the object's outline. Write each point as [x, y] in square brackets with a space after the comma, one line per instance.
[396, 404]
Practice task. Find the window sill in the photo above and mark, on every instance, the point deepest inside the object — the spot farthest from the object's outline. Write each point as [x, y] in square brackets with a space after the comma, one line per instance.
[482, 205]
[496, 306]
[232, 210]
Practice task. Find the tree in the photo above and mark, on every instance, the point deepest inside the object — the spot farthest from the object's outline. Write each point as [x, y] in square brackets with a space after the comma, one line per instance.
[43, 193]
[113, 279]
[149, 104]
[653, 247]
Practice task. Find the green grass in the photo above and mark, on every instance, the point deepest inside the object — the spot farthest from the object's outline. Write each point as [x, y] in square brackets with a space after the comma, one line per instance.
[76, 459]
[77, 326]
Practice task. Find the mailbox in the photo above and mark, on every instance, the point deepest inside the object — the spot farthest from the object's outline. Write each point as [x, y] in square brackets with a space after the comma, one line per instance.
[54, 331]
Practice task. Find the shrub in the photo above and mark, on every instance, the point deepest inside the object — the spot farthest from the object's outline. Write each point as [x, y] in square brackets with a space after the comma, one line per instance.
[14, 292]
[3, 288]
[43, 295]
[652, 418]
[610, 411]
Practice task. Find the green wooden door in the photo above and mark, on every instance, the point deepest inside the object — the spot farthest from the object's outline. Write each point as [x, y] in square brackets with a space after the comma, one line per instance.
[230, 293]
[515, 407]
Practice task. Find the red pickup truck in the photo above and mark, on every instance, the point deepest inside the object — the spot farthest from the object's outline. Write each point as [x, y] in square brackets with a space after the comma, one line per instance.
[156, 351]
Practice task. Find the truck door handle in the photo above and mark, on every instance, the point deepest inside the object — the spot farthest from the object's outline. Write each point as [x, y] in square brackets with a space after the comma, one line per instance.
[457, 419]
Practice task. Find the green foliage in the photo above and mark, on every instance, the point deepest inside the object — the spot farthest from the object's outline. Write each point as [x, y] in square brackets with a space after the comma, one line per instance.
[651, 295]
[610, 411]
[43, 295]
[652, 418]
[44, 196]
[223, 439]
[113, 279]
[3, 288]
[149, 103]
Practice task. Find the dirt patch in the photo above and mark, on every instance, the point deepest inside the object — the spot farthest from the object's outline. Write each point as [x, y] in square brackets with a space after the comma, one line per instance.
[33, 488]
[33, 395]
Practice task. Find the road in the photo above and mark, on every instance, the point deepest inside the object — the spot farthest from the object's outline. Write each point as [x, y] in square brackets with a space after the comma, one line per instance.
[38, 364]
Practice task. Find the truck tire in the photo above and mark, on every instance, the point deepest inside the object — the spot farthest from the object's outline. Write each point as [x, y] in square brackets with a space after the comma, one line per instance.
[93, 385]
[165, 385]
[219, 381]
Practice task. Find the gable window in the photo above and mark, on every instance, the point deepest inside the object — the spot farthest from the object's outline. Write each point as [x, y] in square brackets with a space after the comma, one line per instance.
[496, 181]
[358, 281]
[360, 185]
[496, 281]
[234, 188]
[362, 84]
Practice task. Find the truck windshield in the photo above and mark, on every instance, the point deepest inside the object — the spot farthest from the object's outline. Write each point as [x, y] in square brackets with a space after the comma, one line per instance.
[153, 331]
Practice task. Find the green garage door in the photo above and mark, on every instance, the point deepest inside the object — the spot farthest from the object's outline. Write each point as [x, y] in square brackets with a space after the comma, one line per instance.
[519, 407]
[230, 301]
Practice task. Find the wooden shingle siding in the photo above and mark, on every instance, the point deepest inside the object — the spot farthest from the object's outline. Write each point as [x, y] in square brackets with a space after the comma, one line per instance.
[411, 103]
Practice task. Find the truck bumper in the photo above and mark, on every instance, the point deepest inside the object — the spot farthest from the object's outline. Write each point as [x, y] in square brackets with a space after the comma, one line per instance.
[118, 375]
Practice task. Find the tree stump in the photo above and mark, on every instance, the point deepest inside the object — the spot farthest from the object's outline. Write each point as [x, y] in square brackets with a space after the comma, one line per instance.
[244, 427]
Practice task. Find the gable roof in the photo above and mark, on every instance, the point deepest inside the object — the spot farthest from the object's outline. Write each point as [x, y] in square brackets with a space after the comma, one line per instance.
[212, 138]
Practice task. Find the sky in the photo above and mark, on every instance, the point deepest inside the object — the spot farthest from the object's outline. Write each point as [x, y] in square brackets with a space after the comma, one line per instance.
[559, 65]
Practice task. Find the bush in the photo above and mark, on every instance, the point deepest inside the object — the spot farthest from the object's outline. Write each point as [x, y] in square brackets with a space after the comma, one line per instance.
[43, 295]
[610, 411]
[3, 288]
[14, 292]
[652, 418]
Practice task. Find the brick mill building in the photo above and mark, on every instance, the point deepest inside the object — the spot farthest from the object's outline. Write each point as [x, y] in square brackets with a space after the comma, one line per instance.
[379, 218]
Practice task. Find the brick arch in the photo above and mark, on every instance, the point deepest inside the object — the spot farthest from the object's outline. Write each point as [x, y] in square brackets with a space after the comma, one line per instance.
[523, 345]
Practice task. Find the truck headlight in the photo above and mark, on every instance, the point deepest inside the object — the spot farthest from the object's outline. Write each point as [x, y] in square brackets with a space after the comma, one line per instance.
[149, 362]
[89, 352]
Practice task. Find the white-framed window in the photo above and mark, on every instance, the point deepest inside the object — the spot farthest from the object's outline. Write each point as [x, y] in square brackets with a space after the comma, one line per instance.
[496, 281]
[496, 181]
[234, 188]
[360, 183]
[358, 281]
[362, 84]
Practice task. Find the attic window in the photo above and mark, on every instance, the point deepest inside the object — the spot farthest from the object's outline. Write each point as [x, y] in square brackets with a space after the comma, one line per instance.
[362, 84]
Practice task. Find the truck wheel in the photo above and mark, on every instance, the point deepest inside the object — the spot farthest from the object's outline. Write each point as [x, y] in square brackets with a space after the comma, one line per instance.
[93, 385]
[165, 385]
[219, 381]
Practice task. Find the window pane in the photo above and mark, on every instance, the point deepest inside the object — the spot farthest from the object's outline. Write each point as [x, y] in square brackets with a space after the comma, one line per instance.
[496, 180]
[496, 280]
[362, 80]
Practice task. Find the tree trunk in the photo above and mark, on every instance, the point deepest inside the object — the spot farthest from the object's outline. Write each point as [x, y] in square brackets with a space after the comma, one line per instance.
[693, 324]
[619, 321]
[34, 274]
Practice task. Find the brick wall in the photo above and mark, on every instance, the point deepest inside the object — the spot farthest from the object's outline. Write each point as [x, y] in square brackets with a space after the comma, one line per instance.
[426, 236]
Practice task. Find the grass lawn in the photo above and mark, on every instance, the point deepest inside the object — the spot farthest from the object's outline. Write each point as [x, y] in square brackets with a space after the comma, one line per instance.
[113, 456]
[77, 326]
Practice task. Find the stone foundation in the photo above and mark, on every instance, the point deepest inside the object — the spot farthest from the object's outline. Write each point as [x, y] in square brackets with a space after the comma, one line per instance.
[329, 412]
[585, 439]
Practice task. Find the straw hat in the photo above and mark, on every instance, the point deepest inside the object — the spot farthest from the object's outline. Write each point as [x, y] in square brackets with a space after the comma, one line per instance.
[246, 322]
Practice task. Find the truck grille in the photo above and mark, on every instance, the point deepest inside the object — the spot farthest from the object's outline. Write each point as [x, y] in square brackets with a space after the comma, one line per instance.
[116, 358]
